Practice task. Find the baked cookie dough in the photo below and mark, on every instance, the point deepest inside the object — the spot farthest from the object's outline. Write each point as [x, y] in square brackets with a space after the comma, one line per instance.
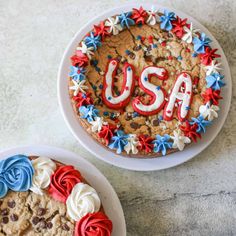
[145, 83]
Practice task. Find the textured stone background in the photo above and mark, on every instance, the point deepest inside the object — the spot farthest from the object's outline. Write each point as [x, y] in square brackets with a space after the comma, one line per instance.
[197, 198]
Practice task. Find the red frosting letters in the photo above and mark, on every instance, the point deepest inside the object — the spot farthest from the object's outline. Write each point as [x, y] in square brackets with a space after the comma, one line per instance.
[117, 102]
[181, 95]
[157, 93]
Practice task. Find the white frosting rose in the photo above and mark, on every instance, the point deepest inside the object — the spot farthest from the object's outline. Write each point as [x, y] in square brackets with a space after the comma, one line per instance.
[43, 168]
[82, 200]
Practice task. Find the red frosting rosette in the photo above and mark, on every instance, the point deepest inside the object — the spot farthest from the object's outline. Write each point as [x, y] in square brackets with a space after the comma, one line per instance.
[208, 56]
[93, 224]
[139, 15]
[212, 96]
[178, 26]
[79, 59]
[101, 30]
[107, 132]
[145, 143]
[82, 99]
[190, 131]
[62, 182]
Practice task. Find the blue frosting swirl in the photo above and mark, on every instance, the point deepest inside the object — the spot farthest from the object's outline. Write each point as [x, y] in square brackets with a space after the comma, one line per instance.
[119, 141]
[214, 81]
[161, 144]
[166, 20]
[77, 73]
[89, 112]
[201, 122]
[16, 174]
[93, 41]
[201, 43]
[125, 20]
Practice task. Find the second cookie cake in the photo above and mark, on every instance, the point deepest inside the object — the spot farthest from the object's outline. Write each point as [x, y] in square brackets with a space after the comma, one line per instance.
[39, 196]
[145, 83]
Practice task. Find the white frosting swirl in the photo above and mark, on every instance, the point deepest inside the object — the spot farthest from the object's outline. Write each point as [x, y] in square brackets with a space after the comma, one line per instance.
[179, 140]
[209, 111]
[132, 144]
[97, 124]
[152, 16]
[86, 50]
[82, 200]
[190, 34]
[214, 67]
[44, 168]
[113, 24]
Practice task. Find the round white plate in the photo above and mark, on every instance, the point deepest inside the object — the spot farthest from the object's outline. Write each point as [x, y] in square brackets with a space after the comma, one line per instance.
[94, 177]
[133, 163]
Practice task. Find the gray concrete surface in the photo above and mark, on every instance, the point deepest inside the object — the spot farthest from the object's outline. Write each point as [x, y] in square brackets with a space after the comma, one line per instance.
[197, 198]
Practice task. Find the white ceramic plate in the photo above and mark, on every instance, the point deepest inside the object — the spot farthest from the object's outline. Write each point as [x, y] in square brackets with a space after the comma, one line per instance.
[95, 178]
[133, 163]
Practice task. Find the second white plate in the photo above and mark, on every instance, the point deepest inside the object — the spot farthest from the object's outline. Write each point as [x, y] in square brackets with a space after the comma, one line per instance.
[108, 196]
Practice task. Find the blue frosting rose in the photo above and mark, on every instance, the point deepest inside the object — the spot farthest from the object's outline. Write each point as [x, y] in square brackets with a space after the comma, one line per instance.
[16, 174]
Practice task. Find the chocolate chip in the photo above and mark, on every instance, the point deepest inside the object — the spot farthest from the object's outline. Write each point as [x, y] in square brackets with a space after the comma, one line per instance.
[98, 101]
[65, 227]
[118, 71]
[116, 90]
[41, 211]
[132, 55]
[128, 116]
[119, 58]
[1, 203]
[137, 47]
[14, 217]
[35, 220]
[123, 60]
[43, 224]
[155, 122]
[148, 58]
[11, 204]
[149, 48]
[4, 212]
[136, 92]
[49, 225]
[134, 125]
[5, 220]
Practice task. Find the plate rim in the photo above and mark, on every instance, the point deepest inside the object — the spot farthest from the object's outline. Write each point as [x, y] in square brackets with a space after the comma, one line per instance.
[143, 166]
[69, 157]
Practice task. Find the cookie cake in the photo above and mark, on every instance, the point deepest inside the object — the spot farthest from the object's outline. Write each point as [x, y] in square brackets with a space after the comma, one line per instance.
[145, 83]
[40, 196]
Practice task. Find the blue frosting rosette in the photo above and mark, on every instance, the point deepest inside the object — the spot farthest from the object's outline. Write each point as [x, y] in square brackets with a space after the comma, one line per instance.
[16, 174]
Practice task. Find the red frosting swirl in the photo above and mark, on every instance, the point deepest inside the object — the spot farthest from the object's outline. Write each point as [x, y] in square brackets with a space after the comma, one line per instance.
[190, 131]
[212, 96]
[101, 30]
[62, 182]
[82, 99]
[145, 143]
[107, 132]
[139, 15]
[93, 224]
[178, 26]
[79, 59]
[208, 56]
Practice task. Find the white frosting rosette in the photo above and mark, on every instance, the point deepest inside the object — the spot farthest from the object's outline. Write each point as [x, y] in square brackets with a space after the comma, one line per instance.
[82, 200]
[44, 168]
